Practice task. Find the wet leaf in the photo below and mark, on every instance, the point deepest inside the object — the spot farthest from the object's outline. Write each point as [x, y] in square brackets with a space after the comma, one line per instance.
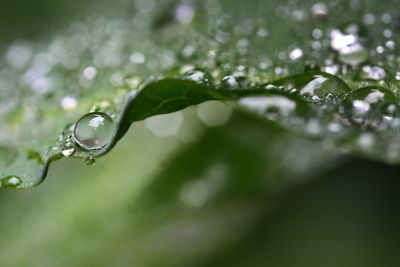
[300, 66]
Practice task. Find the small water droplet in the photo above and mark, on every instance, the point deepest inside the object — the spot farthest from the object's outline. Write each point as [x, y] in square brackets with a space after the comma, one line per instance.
[373, 73]
[10, 181]
[184, 13]
[90, 160]
[366, 141]
[94, 130]
[68, 103]
[90, 73]
[319, 10]
[369, 19]
[198, 75]
[68, 152]
[137, 58]
[296, 54]
[230, 82]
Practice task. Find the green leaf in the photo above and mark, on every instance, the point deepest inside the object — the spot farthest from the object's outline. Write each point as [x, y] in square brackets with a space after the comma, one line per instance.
[306, 68]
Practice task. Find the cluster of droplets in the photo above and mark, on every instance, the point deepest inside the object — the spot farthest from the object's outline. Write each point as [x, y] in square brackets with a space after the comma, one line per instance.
[91, 133]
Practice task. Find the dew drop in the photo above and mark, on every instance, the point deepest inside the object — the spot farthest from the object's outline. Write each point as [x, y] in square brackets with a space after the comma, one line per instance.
[90, 160]
[316, 86]
[90, 73]
[230, 82]
[184, 13]
[296, 54]
[366, 105]
[200, 76]
[68, 152]
[349, 46]
[10, 181]
[137, 58]
[94, 130]
[366, 141]
[68, 103]
[373, 73]
[319, 10]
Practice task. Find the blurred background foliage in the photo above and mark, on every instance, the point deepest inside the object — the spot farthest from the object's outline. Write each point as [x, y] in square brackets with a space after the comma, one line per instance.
[240, 194]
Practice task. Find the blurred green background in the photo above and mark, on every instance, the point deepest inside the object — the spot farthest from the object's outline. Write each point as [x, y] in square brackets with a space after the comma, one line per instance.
[176, 192]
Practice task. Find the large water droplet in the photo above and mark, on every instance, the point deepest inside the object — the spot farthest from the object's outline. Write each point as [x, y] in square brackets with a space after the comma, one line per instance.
[316, 86]
[94, 130]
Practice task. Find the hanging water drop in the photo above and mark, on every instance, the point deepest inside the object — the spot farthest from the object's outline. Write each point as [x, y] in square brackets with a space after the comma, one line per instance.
[94, 130]
[90, 160]
[10, 181]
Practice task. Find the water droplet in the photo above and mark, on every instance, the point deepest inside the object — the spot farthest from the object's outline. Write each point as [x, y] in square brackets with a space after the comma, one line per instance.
[10, 181]
[94, 130]
[230, 82]
[68, 103]
[369, 19]
[380, 49]
[316, 86]
[200, 76]
[390, 44]
[366, 141]
[319, 10]
[317, 34]
[184, 13]
[68, 152]
[349, 46]
[137, 58]
[90, 160]
[90, 73]
[296, 54]
[365, 105]
[372, 73]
